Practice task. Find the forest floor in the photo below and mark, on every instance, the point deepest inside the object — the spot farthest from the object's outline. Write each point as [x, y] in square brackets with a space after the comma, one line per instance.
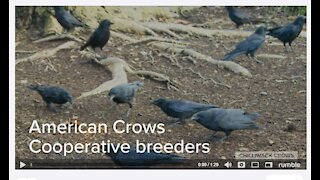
[277, 91]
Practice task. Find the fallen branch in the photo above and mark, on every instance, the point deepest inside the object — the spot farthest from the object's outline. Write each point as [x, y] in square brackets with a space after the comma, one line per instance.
[58, 37]
[47, 53]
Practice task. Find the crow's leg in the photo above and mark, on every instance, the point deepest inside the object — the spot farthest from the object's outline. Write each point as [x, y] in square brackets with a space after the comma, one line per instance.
[255, 59]
[114, 107]
[129, 110]
[291, 47]
[225, 137]
[213, 137]
[285, 48]
[177, 121]
[51, 107]
[69, 105]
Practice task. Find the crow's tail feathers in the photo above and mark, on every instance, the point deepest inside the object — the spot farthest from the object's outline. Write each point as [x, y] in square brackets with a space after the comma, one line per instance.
[273, 31]
[254, 116]
[230, 56]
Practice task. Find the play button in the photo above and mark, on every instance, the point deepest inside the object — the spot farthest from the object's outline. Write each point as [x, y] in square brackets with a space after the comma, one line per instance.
[22, 164]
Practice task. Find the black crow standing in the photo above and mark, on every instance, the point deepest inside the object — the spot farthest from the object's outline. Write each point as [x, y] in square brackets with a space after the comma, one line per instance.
[239, 17]
[249, 46]
[135, 159]
[226, 120]
[125, 94]
[100, 36]
[180, 109]
[66, 20]
[288, 33]
[52, 94]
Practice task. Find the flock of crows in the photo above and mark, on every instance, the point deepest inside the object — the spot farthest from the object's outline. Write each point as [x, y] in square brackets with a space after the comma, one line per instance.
[210, 116]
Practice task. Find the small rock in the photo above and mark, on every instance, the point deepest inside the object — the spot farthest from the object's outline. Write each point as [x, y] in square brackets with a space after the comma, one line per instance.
[143, 53]
[291, 127]
[271, 142]
[243, 149]
[190, 124]
[223, 157]
[263, 93]
[24, 81]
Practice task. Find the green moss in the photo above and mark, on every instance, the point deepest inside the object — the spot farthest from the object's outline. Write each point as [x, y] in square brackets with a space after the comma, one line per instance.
[295, 10]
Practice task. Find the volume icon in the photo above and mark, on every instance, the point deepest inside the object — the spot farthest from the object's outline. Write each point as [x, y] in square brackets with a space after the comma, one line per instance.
[228, 164]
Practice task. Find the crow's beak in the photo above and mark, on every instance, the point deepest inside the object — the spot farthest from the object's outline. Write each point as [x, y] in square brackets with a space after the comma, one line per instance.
[111, 23]
[193, 118]
[111, 97]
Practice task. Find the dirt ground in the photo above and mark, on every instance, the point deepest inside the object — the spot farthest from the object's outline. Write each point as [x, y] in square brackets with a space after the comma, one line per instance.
[277, 91]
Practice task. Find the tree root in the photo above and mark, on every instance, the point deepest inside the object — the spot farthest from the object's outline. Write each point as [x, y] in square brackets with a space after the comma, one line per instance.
[25, 52]
[48, 52]
[271, 56]
[150, 39]
[122, 36]
[58, 37]
[189, 29]
[132, 26]
[118, 68]
[189, 52]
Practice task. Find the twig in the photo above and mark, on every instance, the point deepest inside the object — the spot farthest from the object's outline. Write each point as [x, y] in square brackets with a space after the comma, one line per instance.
[151, 57]
[189, 58]
[205, 78]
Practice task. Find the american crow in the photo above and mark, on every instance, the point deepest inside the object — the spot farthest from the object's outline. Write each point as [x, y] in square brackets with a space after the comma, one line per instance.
[239, 17]
[132, 158]
[288, 33]
[226, 120]
[100, 36]
[180, 109]
[52, 94]
[249, 45]
[125, 93]
[66, 20]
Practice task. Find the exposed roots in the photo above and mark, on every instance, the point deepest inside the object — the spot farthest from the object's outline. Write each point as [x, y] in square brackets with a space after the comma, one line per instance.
[151, 39]
[48, 53]
[119, 69]
[58, 37]
[189, 52]
[132, 26]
